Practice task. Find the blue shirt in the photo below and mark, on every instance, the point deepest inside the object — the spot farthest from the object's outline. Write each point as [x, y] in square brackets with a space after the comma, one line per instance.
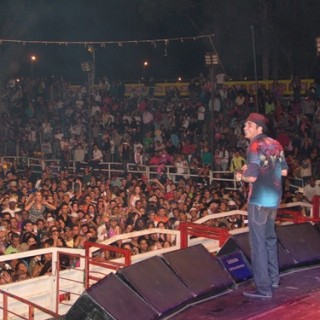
[265, 160]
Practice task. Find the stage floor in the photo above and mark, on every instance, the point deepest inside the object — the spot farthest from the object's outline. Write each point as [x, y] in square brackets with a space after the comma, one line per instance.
[298, 297]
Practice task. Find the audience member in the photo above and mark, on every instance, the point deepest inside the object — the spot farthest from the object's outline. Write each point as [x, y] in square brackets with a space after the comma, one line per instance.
[59, 208]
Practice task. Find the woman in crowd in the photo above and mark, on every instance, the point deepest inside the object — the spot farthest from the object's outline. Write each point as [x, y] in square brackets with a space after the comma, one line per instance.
[37, 206]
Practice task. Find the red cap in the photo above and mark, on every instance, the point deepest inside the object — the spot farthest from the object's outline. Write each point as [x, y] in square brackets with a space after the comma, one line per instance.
[258, 119]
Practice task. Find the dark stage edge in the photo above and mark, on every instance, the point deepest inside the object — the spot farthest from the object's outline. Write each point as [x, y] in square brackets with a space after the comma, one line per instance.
[298, 297]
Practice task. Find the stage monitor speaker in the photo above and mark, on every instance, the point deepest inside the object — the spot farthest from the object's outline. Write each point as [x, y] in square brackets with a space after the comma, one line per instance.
[237, 265]
[86, 308]
[241, 242]
[235, 243]
[301, 241]
[157, 284]
[201, 272]
[111, 298]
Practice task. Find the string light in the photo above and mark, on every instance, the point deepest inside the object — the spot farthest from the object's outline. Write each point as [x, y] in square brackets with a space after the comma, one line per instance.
[153, 42]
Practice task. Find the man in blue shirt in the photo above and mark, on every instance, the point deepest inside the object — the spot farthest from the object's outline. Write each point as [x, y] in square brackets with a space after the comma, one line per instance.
[265, 167]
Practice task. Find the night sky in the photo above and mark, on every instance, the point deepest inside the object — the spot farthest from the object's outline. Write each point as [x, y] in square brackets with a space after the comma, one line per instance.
[99, 20]
[285, 33]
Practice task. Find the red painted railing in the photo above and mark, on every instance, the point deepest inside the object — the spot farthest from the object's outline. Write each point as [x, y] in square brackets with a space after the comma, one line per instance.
[198, 230]
[31, 307]
[316, 207]
[103, 263]
[298, 216]
[64, 296]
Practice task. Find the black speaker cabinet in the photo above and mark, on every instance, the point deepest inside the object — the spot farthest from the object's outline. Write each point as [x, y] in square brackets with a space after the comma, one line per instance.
[111, 298]
[201, 272]
[240, 242]
[157, 284]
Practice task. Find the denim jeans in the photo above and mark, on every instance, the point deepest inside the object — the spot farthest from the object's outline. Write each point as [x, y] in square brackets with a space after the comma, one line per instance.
[263, 242]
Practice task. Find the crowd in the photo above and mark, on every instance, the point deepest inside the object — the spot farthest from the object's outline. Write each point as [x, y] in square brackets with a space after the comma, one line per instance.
[50, 118]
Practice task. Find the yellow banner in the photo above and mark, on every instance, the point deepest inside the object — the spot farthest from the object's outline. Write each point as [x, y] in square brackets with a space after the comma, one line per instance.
[161, 88]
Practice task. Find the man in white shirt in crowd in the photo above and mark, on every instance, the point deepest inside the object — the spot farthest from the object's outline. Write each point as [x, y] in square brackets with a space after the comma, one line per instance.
[310, 190]
[97, 156]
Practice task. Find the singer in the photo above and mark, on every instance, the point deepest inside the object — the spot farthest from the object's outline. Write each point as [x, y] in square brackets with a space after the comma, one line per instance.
[265, 167]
